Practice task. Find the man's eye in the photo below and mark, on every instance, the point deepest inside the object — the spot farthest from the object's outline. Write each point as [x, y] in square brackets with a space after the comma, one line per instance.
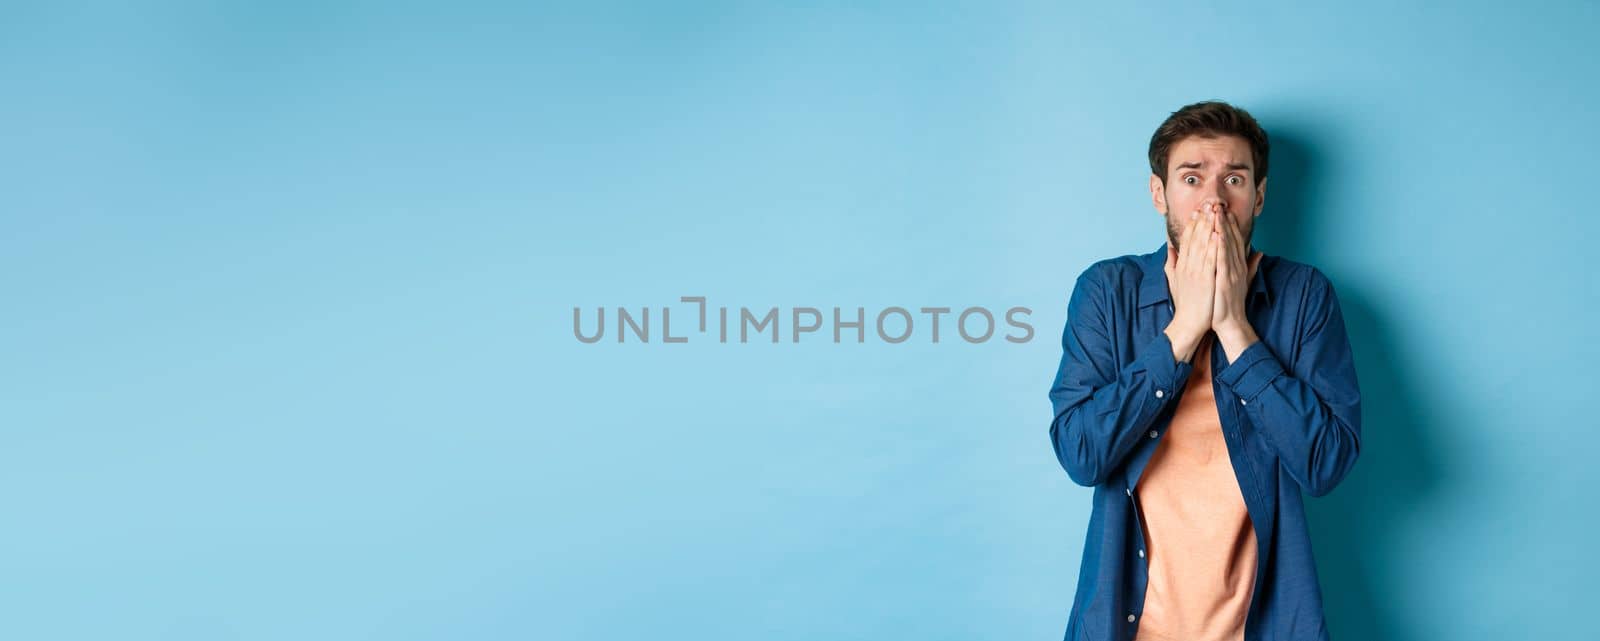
[1190, 179]
[1234, 180]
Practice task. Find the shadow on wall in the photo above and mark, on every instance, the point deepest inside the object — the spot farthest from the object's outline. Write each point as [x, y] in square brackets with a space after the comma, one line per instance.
[1398, 470]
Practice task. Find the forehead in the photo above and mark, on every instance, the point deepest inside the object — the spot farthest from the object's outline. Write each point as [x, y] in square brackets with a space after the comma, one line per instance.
[1211, 153]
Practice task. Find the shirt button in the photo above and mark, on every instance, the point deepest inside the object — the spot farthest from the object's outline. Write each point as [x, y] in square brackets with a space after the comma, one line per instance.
[1130, 618]
[1129, 490]
[1243, 402]
[1152, 433]
[1141, 554]
[1160, 393]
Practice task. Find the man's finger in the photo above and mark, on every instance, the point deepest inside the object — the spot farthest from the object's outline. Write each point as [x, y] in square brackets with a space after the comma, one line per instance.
[1224, 258]
[1189, 238]
[1236, 243]
[1211, 251]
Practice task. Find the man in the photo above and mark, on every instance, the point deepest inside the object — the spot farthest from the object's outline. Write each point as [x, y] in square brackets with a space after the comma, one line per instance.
[1203, 388]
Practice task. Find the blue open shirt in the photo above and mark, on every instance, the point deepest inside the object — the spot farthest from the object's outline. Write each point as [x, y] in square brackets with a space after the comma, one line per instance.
[1290, 410]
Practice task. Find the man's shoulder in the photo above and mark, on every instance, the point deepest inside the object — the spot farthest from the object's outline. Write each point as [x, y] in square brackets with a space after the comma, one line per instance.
[1126, 269]
[1288, 275]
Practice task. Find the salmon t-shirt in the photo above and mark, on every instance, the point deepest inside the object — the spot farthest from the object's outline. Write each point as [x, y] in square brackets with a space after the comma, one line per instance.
[1199, 542]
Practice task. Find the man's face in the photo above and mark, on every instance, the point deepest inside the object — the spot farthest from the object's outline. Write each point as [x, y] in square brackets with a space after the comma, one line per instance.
[1204, 170]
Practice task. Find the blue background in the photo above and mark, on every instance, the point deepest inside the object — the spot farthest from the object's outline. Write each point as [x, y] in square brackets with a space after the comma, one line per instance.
[288, 347]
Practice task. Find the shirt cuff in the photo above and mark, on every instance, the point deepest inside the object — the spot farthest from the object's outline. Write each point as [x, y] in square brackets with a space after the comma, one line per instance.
[1252, 371]
[1166, 372]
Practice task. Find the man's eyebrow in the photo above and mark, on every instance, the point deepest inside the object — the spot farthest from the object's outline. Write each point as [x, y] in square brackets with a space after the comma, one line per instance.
[1196, 165]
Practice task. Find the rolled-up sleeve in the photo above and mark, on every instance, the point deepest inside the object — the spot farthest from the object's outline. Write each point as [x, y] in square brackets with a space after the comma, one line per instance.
[1102, 406]
[1310, 416]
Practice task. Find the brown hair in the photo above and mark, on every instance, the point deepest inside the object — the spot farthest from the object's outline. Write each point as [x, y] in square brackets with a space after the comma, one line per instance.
[1209, 119]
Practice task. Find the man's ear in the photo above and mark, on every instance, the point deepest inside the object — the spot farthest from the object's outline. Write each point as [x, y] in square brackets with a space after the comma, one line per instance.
[1261, 197]
[1158, 195]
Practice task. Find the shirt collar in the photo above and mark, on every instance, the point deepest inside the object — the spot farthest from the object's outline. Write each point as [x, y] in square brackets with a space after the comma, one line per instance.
[1153, 280]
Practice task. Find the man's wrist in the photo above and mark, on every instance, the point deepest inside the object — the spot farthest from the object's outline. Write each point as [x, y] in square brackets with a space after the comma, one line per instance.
[1236, 338]
[1183, 342]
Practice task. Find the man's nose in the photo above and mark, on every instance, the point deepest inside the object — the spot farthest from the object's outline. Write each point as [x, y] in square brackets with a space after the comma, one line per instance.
[1218, 194]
